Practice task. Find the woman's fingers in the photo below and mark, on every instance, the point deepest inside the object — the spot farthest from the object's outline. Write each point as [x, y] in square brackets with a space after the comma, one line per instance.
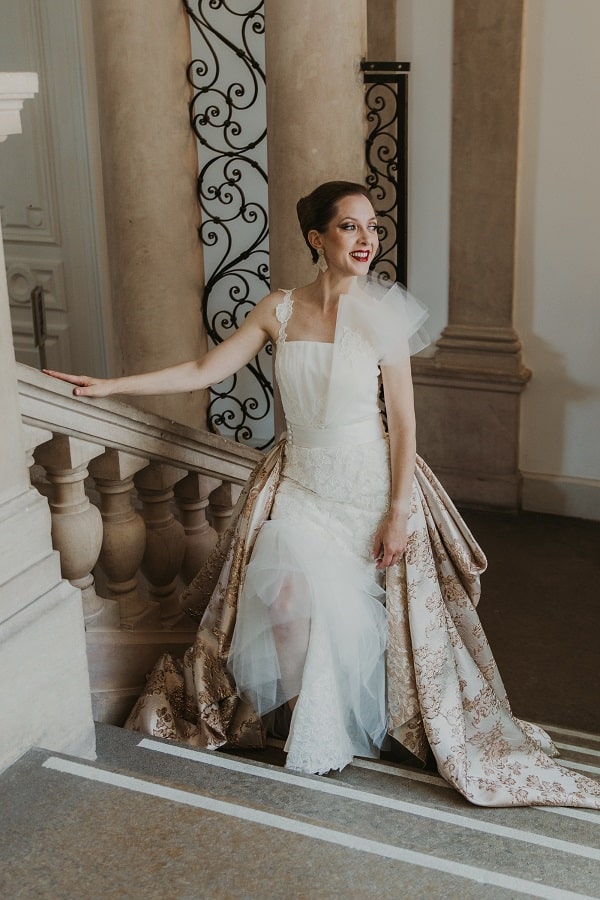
[389, 558]
[389, 545]
[84, 385]
[387, 552]
[65, 376]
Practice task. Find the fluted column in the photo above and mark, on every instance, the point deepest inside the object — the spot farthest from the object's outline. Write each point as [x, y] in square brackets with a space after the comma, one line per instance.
[315, 114]
[468, 395]
[149, 169]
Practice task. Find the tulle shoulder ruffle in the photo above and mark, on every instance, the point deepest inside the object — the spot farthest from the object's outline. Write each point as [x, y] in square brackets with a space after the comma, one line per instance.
[388, 315]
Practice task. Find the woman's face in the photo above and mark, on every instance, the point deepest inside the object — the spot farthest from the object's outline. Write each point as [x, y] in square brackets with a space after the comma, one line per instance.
[350, 240]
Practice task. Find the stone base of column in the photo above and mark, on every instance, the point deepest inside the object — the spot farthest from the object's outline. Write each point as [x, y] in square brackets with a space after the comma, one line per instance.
[42, 641]
[468, 424]
[491, 349]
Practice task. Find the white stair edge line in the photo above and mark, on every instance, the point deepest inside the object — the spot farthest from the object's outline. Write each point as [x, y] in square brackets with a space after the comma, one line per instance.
[583, 815]
[581, 767]
[399, 772]
[575, 748]
[326, 786]
[308, 829]
[584, 735]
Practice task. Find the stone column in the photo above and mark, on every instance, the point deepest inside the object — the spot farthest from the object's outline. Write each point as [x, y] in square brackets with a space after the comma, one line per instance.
[315, 115]
[381, 29]
[149, 167]
[468, 395]
[46, 701]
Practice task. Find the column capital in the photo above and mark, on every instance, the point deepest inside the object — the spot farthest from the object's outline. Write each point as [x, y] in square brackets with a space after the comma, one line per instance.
[15, 88]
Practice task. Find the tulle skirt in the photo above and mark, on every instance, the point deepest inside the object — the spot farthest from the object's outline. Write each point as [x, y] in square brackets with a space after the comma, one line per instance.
[311, 620]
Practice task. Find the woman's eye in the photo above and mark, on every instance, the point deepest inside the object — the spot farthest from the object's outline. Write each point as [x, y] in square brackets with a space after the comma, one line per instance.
[348, 226]
[373, 227]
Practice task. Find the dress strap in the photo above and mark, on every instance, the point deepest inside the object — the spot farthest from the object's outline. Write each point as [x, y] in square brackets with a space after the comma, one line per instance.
[283, 311]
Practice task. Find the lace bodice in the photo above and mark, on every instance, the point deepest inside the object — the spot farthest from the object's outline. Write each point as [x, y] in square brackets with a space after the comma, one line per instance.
[324, 384]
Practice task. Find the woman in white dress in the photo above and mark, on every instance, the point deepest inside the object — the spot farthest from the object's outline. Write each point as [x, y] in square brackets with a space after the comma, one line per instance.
[346, 588]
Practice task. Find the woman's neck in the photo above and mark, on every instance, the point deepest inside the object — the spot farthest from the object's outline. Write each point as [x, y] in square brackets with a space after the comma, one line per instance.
[327, 288]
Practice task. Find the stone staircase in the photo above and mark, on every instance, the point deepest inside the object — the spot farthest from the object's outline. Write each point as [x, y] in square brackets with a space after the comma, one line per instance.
[154, 819]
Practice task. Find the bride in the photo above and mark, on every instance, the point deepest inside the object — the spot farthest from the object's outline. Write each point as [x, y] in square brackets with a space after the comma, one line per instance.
[347, 585]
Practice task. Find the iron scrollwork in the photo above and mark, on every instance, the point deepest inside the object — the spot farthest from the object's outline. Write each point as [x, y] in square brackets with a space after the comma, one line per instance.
[227, 114]
[386, 149]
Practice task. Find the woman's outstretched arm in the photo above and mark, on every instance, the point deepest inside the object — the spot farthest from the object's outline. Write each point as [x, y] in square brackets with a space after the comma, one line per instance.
[220, 362]
[390, 540]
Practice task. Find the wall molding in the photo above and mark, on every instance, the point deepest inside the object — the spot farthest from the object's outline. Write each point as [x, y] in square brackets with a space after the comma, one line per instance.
[51, 188]
[23, 274]
[39, 223]
[561, 495]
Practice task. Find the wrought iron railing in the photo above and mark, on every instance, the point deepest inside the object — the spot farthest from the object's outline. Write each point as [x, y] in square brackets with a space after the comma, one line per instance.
[387, 162]
[228, 116]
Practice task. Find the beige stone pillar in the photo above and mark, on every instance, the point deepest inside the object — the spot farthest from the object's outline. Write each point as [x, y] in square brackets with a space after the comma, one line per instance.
[315, 115]
[381, 29]
[149, 167]
[468, 396]
[43, 669]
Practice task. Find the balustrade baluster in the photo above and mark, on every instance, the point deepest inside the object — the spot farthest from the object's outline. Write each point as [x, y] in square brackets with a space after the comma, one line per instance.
[165, 539]
[124, 538]
[32, 438]
[191, 495]
[222, 502]
[76, 524]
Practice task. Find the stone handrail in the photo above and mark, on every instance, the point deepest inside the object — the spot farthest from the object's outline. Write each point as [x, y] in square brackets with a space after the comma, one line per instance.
[49, 404]
[137, 503]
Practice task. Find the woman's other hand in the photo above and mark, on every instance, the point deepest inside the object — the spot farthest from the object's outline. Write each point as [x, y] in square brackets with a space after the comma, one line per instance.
[84, 385]
[390, 540]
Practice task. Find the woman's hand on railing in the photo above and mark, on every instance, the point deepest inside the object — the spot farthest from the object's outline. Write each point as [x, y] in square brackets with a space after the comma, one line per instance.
[85, 386]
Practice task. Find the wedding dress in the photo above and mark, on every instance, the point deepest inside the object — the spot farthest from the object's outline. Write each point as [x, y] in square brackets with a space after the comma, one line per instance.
[311, 620]
[294, 606]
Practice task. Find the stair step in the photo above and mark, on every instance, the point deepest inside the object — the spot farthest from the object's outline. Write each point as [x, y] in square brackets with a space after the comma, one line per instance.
[216, 824]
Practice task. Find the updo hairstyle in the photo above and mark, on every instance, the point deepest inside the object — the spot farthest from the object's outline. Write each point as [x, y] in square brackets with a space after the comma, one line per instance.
[317, 209]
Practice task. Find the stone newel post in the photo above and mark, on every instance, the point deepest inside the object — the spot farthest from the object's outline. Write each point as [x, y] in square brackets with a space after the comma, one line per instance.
[42, 643]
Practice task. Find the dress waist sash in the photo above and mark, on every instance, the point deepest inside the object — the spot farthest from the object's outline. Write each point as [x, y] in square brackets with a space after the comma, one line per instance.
[329, 436]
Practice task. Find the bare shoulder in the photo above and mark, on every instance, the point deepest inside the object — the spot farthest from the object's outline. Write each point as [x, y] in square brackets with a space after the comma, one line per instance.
[264, 313]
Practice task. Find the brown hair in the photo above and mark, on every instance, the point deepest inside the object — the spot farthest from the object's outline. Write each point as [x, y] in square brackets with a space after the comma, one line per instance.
[317, 209]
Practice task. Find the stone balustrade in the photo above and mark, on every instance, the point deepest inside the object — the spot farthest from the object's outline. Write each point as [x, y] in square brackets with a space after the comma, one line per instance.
[137, 503]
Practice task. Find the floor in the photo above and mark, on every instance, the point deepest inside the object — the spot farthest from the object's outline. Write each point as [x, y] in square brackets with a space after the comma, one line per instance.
[151, 819]
[540, 608]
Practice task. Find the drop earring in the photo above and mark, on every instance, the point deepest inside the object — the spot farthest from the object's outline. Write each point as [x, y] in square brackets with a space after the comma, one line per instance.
[321, 263]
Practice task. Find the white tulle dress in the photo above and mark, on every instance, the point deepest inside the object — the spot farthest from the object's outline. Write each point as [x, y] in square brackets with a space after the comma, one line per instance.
[311, 617]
